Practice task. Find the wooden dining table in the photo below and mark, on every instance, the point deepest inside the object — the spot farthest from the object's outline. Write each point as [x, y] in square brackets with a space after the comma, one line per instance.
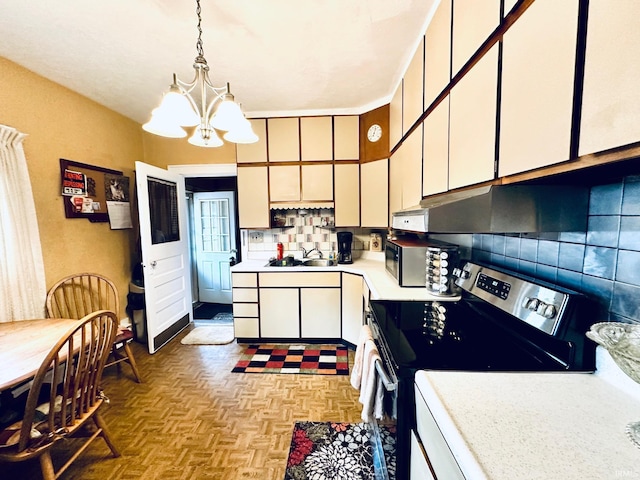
[24, 344]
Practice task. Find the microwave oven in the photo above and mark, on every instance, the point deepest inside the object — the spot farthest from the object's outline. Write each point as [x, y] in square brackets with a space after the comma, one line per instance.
[422, 263]
[405, 260]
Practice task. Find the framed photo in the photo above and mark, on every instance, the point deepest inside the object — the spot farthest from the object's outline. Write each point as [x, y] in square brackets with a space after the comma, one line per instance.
[86, 189]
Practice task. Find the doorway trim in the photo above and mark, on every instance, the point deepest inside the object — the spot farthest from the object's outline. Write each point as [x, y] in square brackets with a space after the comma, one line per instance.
[198, 170]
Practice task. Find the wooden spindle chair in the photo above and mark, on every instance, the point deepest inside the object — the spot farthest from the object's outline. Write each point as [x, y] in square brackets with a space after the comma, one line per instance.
[64, 396]
[80, 294]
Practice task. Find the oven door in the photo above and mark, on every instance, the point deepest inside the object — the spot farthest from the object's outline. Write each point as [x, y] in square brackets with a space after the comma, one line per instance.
[387, 373]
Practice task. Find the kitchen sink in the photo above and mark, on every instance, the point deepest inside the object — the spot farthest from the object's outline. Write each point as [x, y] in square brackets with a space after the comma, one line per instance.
[294, 262]
[318, 262]
[285, 262]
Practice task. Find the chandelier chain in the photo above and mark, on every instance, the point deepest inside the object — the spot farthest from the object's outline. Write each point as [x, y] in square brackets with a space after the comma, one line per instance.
[199, 42]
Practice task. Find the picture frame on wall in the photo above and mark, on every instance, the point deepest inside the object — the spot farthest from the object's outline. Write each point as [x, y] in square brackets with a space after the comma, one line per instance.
[87, 188]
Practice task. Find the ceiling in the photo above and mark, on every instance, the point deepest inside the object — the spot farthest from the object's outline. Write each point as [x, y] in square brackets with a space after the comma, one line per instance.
[281, 57]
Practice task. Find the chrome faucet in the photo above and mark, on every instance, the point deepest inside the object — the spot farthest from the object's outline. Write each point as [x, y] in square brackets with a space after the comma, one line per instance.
[306, 254]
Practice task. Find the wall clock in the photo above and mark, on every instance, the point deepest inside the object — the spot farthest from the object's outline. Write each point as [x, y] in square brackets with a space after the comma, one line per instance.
[374, 133]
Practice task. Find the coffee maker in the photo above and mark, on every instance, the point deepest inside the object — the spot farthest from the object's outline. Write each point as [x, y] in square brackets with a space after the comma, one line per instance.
[344, 247]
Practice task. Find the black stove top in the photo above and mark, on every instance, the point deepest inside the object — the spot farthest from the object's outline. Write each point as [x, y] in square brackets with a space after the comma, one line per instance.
[479, 335]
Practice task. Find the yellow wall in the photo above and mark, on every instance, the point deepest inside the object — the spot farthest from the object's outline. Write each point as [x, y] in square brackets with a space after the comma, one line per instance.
[63, 124]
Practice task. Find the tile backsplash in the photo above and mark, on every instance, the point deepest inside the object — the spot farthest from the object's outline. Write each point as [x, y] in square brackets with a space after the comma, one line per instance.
[603, 262]
[313, 229]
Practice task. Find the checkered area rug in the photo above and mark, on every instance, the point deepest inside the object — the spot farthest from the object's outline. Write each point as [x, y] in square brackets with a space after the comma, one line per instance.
[309, 359]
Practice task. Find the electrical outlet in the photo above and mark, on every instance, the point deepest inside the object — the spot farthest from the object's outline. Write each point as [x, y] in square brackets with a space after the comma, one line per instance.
[256, 237]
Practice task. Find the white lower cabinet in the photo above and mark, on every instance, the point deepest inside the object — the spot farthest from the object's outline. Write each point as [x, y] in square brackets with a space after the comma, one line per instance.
[352, 295]
[292, 305]
[245, 318]
[279, 313]
[245, 305]
[299, 304]
[418, 466]
[434, 447]
[320, 312]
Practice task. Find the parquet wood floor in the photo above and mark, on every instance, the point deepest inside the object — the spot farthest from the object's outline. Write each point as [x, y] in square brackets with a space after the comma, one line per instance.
[194, 419]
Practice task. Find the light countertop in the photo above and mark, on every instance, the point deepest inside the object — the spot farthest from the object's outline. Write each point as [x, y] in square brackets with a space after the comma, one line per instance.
[535, 425]
[381, 284]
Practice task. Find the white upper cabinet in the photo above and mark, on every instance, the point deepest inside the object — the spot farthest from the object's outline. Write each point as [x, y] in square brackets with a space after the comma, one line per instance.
[413, 97]
[437, 55]
[346, 137]
[396, 164]
[254, 152]
[317, 182]
[395, 118]
[611, 98]
[253, 197]
[284, 183]
[538, 63]
[472, 127]
[435, 163]
[347, 194]
[412, 168]
[284, 139]
[374, 178]
[316, 137]
[473, 22]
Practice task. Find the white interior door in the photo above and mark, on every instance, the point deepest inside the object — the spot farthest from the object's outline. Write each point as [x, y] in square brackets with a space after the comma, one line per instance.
[165, 252]
[215, 238]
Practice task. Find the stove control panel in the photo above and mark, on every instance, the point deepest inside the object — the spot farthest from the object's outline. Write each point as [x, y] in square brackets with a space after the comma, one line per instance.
[498, 288]
[536, 304]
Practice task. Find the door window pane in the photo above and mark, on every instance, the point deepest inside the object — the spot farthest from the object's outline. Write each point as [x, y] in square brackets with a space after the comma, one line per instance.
[214, 225]
[163, 211]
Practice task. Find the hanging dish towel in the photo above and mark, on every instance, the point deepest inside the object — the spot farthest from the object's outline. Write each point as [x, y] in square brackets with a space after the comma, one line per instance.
[369, 384]
[356, 372]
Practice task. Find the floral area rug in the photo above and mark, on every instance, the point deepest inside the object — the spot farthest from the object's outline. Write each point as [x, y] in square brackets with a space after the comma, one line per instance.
[311, 359]
[339, 451]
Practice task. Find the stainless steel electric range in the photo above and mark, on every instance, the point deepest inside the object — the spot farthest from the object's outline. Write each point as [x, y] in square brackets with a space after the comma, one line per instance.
[503, 322]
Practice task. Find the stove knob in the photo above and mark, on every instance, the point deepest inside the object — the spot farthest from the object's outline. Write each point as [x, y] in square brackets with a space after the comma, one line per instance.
[541, 308]
[533, 304]
[549, 312]
[525, 302]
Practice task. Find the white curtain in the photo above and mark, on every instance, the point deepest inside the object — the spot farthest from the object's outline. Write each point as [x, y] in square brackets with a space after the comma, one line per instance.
[22, 281]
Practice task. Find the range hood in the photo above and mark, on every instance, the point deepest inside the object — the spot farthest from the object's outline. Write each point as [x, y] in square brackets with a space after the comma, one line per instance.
[499, 209]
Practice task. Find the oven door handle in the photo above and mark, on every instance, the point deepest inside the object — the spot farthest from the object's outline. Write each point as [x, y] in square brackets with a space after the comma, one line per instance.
[388, 383]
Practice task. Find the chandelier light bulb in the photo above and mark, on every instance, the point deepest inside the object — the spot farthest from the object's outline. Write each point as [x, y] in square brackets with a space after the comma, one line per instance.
[159, 125]
[179, 108]
[228, 116]
[175, 107]
[202, 138]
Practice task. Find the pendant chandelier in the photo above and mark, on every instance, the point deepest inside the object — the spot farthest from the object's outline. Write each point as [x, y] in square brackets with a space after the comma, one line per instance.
[199, 104]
